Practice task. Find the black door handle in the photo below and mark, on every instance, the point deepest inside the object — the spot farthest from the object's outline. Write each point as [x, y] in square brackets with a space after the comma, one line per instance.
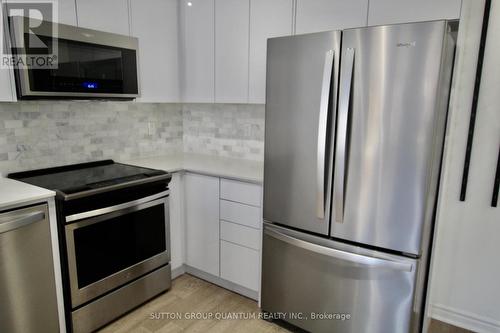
[475, 99]
[496, 183]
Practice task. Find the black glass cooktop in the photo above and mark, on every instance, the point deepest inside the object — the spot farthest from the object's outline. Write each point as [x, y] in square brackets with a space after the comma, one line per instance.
[85, 176]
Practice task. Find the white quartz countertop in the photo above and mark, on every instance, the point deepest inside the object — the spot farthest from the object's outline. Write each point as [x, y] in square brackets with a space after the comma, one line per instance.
[13, 193]
[245, 170]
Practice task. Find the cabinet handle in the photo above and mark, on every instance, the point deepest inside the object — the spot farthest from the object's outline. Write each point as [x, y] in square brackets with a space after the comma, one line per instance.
[475, 98]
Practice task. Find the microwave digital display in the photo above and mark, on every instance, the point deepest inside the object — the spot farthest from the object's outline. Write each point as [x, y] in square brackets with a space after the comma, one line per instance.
[90, 85]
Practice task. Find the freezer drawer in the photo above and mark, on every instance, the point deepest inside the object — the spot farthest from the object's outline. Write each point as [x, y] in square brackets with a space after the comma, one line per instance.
[362, 290]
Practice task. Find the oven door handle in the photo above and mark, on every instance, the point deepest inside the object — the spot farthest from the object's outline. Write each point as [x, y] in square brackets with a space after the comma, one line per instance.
[110, 209]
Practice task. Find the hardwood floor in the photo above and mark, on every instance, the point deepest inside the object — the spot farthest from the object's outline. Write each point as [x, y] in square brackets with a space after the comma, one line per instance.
[190, 296]
[440, 327]
[175, 311]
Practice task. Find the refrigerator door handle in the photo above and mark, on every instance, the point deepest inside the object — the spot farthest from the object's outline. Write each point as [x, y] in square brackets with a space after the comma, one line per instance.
[341, 148]
[341, 255]
[322, 133]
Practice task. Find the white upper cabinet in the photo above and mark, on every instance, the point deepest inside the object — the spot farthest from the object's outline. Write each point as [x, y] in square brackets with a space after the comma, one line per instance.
[323, 15]
[105, 15]
[231, 50]
[198, 42]
[155, 23]
[268, 18]
[403, 11]
[66, 12]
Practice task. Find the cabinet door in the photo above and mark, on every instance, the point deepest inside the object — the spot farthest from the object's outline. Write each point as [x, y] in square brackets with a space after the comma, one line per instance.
[109, 15]
[154, 22]
[177, 234]
[403, 11]
[323, 15]
[198, 38]
[240, 265]
[231, 50]
[66, 12]
[202, 222]
[268, 18]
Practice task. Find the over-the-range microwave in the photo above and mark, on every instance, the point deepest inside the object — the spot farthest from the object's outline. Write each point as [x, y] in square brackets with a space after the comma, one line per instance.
[90, 63]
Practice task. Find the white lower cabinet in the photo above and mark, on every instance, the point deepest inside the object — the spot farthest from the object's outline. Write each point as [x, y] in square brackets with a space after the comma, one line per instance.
[239, 265]
[223, 231]
[240, 213]
[202, 222]
[239, 234]
[177, 234]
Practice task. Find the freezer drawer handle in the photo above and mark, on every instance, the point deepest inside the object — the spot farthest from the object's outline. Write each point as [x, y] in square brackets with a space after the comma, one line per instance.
[342, 147]
[322, 131]
[9, 222]
[341, 255]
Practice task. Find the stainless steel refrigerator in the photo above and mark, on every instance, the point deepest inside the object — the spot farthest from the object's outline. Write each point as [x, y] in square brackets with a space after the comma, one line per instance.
[355, 123]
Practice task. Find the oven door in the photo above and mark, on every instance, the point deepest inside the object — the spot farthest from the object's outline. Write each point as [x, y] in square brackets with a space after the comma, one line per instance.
[116, 245]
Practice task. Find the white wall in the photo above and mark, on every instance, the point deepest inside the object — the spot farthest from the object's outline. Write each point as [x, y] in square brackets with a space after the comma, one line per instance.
[465, 272]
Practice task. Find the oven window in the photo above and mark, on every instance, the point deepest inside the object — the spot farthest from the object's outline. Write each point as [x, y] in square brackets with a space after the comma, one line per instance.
[85, 67]
[109, 246]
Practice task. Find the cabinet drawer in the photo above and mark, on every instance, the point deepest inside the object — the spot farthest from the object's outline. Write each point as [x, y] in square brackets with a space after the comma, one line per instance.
[239, 265]
[240, 213]
[246, 193]
[239, 234]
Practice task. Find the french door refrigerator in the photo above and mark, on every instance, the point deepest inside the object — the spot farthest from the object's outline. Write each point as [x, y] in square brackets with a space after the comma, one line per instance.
[355, 124]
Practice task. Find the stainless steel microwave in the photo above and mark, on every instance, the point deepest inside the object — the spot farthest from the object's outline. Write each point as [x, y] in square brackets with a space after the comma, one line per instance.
[89, 63]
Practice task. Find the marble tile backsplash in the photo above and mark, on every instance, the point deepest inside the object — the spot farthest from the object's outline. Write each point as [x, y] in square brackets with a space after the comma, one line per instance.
[228, 130]
[39, 134]
[46, 133]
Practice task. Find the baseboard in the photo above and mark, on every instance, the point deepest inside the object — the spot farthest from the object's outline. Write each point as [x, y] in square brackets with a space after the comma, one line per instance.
[221, 282]
[178, 271]
[464, 319]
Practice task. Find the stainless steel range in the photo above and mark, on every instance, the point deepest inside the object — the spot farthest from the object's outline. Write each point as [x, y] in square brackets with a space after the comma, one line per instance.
[114, 237]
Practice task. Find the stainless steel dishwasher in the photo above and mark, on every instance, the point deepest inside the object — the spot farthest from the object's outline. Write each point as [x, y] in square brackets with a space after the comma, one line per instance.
[27, 285]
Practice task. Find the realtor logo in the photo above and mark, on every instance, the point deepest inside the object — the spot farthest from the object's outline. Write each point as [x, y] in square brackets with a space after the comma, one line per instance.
[31, 38]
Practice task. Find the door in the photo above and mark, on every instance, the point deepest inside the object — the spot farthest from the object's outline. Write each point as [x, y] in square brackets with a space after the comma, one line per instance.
[404, 11]
[27, 282]
[202, 222]
[231, 50]
[325, 286]
[197, 19]
[323, 15]
[268, 18]
[155, 23]
[110, 15]
[300, 98]
[389, 134]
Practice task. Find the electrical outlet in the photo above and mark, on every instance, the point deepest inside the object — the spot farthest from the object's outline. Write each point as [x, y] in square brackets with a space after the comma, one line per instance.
[151, 128]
